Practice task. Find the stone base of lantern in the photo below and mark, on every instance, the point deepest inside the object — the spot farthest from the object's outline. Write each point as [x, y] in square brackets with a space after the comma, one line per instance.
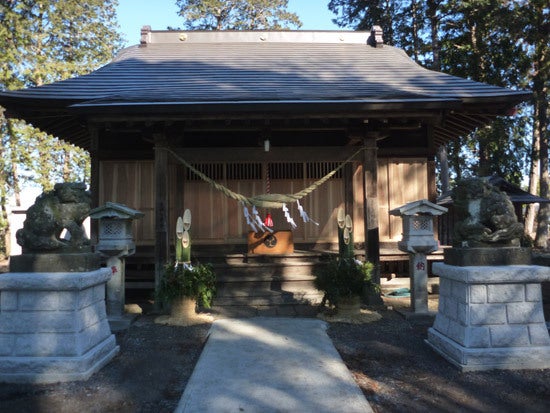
[491, 317]
[53, 326]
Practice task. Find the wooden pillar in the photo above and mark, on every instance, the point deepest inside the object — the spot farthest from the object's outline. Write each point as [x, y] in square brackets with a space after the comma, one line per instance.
[348, 189]
[432, 193]
[179, 200]
[161, 208]
[370, 202]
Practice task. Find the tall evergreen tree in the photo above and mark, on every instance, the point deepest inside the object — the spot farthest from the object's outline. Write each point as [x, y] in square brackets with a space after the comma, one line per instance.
[44, 42]
[466, 38]
[363, 14]
[533, 31]
[477, 44]
[505, 43]
[237, 15]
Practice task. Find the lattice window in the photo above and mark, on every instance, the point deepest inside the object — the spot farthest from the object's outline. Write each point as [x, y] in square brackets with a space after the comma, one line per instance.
[256, 170]
[214, 171]
[421, 223]
[112, 229]
[286, 170]
[316, 170]
[242, 171]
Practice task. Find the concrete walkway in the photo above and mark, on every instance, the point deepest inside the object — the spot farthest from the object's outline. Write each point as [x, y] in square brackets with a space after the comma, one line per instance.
[271, 365]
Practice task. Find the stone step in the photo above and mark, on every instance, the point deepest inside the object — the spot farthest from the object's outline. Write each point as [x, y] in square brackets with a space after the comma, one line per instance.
[244, 258]
[284, 310]
[279, 298]
[265, 272]
[257, 284]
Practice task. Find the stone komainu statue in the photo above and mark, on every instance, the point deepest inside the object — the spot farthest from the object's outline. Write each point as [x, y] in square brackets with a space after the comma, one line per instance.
[486, 216]
[65, 207]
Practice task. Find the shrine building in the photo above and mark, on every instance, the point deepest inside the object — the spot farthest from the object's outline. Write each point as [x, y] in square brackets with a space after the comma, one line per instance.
[188, 119]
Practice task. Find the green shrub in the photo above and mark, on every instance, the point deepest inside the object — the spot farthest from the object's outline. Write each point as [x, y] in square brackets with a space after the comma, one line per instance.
[198, 282]
[344, 278]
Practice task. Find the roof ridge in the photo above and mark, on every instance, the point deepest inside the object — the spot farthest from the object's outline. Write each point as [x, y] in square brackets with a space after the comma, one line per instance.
[149, 36]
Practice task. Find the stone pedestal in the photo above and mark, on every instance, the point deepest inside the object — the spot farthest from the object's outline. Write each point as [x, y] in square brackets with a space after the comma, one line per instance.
[464, 257]
[53, 326]
[491, 317]
[418, 268]
[115, 293]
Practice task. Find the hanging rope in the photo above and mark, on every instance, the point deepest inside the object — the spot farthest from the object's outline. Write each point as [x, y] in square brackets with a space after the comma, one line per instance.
[267, 180]
[265, 200]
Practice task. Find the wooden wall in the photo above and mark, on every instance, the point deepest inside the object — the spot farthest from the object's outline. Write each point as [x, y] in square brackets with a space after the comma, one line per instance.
[218, 219]
[131, 183]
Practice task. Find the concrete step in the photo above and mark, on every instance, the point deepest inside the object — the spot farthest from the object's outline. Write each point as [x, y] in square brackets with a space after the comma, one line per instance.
[252, 284]
[281, 298]
[251, 272]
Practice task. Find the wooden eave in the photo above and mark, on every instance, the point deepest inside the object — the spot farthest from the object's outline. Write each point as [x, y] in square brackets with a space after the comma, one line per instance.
[261, 77]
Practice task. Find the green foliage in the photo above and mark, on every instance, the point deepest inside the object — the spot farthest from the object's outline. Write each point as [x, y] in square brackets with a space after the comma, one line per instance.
[363, 14]
[237, 15]
[198, 282]
[345, 278]
[500, 43]
[43, 42]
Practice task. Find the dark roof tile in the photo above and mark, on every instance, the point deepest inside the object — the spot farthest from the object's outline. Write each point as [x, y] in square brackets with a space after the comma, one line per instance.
[216, 69]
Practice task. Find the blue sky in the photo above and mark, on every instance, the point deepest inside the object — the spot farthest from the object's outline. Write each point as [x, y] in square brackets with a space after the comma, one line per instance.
[159, 14]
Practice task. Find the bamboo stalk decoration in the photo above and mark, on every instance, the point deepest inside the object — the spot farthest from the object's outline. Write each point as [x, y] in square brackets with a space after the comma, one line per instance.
[183, 238]
[345, 234]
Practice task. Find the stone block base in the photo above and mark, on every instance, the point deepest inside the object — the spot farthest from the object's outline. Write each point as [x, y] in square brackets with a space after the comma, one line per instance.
[491, 317]
[463, 257]
[57, 369]
[53, 326]
[38, 263]
[475, 359]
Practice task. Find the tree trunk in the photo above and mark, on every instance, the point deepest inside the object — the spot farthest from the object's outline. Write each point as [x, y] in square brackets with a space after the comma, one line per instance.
[14, 163]
[534, 174]
[540, 89]
[443, 168]
[432, 6]
[541, 239]
[4, 223]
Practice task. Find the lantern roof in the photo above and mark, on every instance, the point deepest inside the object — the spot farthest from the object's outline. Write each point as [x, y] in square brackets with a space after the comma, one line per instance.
[115, 210]
[420, 207]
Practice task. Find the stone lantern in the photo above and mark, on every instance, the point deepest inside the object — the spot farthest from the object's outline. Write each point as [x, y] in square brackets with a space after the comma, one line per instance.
[115, 241]
[418, 240]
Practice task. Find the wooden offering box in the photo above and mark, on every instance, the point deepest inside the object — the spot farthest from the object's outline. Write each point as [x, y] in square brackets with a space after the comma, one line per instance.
[278, 242]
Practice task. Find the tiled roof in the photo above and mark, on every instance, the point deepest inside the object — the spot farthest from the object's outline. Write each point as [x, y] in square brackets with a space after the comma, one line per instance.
[224, 71]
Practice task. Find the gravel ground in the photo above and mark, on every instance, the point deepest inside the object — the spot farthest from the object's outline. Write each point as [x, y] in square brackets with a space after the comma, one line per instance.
[393, 366]
[391, 363]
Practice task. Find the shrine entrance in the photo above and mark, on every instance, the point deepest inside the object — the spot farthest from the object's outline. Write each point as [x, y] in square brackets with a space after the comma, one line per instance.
[218, 219]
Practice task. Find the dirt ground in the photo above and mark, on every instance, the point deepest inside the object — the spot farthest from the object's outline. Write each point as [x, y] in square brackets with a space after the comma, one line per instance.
[391, 363]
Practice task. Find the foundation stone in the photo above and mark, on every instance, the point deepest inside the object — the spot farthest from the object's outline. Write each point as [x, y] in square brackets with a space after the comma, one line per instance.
[491, 317]
[490, 313]
[53, 326]
[53, 323]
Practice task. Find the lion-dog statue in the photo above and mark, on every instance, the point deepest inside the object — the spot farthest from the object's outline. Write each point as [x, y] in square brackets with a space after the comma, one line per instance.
[63, 208]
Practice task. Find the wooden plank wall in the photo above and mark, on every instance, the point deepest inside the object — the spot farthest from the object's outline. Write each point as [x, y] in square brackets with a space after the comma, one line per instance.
[400, 180]
[218, 219]
[131, 183]
[405, 180]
